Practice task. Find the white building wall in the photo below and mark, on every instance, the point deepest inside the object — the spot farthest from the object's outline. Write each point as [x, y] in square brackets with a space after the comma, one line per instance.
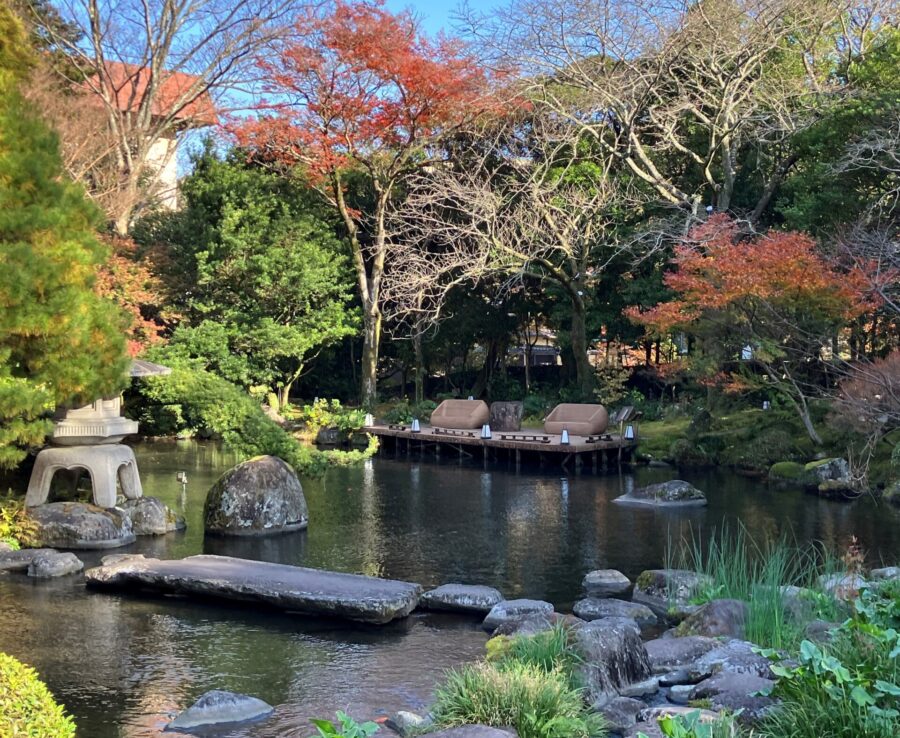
[163, 156]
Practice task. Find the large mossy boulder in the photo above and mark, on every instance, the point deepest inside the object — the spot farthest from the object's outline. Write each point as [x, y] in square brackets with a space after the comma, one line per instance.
[669, 592]
[786, 472]
[262, 496]
[150, 516]
[612, 657]
[674, 493]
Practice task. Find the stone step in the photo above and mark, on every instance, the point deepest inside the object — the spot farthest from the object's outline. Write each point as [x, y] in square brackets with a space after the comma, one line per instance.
[298, 589]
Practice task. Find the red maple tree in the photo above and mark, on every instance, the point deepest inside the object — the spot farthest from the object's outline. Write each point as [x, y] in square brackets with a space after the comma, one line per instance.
[363, 90]
[773, 299]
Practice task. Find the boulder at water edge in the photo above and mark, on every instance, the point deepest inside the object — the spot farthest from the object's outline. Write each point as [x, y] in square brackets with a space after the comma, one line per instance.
[613, 656]
[593, 608]
[466, 598]
[261, 496]
[675, 654]
[217, 707]
[668, 592]
[54, 564]
[80, 525]
[716, 618]
[150, 516]
[736, 693]
[675, 493]
[514, 610]
[606, 583]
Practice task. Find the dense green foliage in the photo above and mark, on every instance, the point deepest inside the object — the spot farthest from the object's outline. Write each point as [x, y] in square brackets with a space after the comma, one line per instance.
[26, 706]
[59, 341]
[849, 686]
[17, 529]
[254, 270]
[690, 725]
[192, 399]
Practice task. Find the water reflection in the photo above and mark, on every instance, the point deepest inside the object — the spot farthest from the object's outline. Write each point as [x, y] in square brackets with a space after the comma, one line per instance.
[122, 664]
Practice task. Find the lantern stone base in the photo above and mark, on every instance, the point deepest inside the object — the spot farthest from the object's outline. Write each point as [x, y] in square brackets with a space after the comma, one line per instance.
[104, 463]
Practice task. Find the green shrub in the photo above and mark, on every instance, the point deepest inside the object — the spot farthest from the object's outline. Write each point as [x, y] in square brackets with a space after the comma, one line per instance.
[16, 528]
[684, 452]
[207, 403]
[330, 414]
[537, 703]
[26, 706]
[550, 651]
[761, 451]
[405, 412]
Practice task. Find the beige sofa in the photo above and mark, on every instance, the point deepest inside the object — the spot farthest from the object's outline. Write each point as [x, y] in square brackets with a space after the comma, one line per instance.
[579, 420]
[460, 414]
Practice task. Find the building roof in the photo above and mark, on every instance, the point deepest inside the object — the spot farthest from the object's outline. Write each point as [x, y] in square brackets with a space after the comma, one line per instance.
[128, 83]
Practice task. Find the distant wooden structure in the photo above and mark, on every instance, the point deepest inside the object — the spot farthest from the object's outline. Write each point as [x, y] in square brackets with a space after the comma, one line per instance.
[524, 446]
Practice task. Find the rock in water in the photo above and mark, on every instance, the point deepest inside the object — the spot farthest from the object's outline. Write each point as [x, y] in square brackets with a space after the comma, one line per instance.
[675, 493]
[512, 610]
[592, 608]
[407, 723]
[613, 657]
[716, 618]
[467, 598]
[218, 706]
[150, 516]
[261, 496]
[736, 693]
[79, 525]
[21, 560]
[606, 583]
[50, 565]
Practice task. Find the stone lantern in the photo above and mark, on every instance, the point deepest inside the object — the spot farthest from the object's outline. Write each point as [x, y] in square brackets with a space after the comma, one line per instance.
[89, 439]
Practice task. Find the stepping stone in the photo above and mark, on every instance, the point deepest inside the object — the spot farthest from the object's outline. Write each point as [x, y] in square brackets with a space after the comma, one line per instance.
[468, 598]
[504, 612]
[294, 588]
[606, 583]
[593, 608]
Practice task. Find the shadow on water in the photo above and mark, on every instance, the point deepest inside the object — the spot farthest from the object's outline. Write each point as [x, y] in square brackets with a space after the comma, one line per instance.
[123, 664]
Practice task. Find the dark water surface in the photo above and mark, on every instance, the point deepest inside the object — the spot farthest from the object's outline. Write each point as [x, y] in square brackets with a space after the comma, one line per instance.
[123, 665]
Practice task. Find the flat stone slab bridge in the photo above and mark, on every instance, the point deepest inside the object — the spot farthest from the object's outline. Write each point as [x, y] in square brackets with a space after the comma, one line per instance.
[293, 588]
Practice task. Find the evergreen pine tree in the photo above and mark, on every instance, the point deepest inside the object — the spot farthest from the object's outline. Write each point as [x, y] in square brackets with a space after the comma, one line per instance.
[60, 342]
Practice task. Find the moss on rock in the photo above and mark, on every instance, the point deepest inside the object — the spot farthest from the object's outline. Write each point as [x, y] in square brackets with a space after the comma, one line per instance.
[787, 471]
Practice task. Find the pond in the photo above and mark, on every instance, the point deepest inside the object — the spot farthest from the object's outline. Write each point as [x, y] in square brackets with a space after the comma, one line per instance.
[122, 665]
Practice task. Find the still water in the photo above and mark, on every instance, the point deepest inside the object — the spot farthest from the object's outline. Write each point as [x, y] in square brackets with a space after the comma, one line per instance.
[123, 665]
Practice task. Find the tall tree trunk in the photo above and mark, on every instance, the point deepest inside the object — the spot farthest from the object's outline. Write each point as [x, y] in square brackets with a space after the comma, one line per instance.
[369, 369]
[584, 372]
[420, 367]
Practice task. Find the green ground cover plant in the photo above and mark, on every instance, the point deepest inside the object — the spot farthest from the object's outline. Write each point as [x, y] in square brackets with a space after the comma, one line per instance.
[344, 727]
[690, 725]
[26, 706]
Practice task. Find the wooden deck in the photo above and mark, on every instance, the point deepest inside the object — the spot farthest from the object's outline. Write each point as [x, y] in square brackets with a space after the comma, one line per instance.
[520, 446]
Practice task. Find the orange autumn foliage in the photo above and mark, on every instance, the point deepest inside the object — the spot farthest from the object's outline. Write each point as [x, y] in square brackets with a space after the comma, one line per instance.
[715, 269]
[361, 83]
[129, 282]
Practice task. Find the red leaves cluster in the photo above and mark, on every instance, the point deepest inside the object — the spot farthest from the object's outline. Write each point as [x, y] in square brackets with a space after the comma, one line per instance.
[360, 83]
[129, 281]
[715, 268]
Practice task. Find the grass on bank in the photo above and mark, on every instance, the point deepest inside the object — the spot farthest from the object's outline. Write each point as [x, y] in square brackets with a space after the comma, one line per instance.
[759, 572]
[529, 683]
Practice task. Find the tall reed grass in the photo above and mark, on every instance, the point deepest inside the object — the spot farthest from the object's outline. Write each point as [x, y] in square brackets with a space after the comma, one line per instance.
[759, 572]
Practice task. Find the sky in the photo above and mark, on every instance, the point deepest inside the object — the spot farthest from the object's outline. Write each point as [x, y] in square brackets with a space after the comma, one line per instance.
[437, 15]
